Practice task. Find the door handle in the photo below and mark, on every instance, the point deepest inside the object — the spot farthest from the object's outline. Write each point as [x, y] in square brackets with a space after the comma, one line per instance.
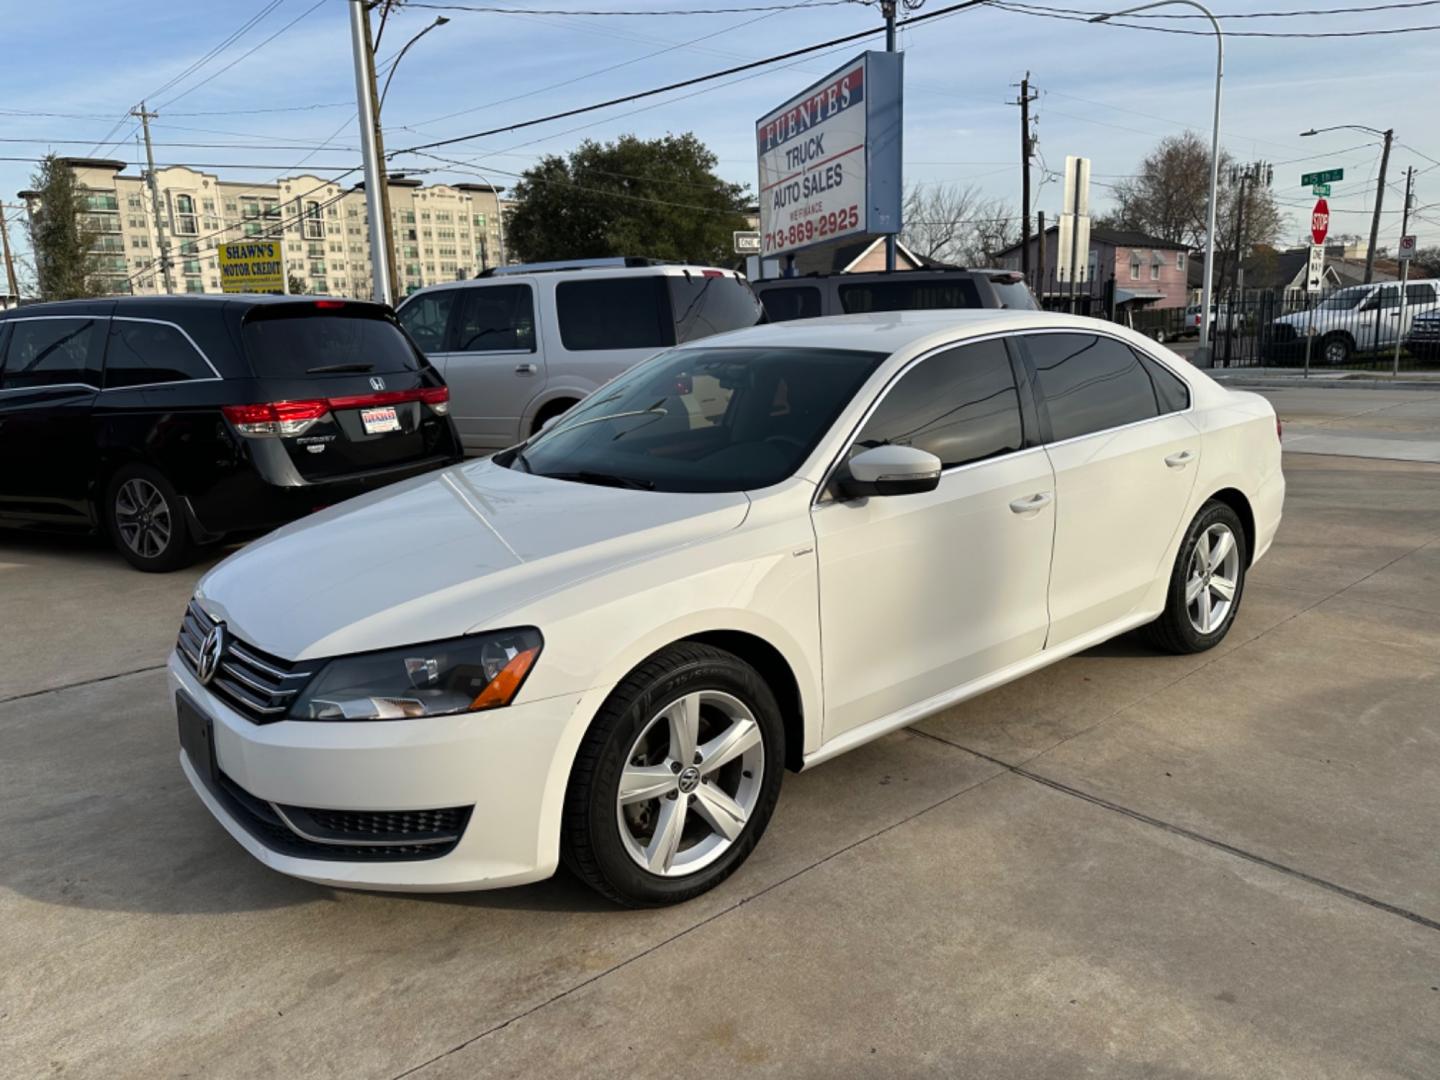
[1180, 460]
[1031, 503]
[526, 369]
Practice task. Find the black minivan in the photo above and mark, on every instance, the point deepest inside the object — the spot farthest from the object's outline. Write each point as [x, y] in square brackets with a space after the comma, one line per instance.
[171, 422]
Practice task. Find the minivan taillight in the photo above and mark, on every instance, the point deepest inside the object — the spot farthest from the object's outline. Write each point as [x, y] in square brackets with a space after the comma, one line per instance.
[437, 397]
[275, 417]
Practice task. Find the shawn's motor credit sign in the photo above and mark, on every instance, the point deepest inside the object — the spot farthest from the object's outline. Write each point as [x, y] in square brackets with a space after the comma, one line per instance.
[252, 266]
[830, 158]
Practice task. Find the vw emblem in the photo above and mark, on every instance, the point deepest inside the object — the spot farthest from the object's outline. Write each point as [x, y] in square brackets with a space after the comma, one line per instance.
[211, 649]
[377, 383]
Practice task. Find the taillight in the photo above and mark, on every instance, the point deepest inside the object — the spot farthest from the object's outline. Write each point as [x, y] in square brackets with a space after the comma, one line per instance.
[275, 417]
[712, 273]
[437, 397]
[329, 304]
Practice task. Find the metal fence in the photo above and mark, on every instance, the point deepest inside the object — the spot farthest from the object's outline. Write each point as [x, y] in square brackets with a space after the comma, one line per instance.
[1355, 327]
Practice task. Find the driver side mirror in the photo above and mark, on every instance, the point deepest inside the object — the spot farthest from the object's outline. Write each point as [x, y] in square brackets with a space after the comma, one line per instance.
[891, 470]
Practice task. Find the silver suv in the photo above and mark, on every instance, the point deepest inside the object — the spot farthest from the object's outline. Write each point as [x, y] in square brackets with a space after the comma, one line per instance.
[1358, 319]
[521, 344]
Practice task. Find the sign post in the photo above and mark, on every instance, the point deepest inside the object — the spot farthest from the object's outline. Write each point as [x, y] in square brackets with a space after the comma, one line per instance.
[1405, 254]
[1314, 276]
[830, 158]
[252, 266]
[1073, 242]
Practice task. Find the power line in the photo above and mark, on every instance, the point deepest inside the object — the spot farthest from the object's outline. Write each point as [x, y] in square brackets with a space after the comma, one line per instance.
[1085, 16]
[181, 145]
[1279, 14]
[711, 76]
[217, 50]
[245, 55]
[489, 10]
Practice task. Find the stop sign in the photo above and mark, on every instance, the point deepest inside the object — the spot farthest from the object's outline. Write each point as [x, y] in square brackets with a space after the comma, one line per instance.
[1320, 221]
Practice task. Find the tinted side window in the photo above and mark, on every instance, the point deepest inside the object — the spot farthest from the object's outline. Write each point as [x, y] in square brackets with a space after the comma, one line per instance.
[1170, 390]
[1419, 294]
[1388, 297]
[909, 295]
[150, 352]
[1089, 383]
[961, 406]
[424, 319]
[613, 313]
[800, 302]
[711, 305]
[494, 318]
[45, 352]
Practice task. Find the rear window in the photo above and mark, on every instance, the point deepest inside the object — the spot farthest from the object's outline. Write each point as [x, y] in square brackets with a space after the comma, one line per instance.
[711, 305]
[293, 341]
[909, 295]
[799, 302]
[1014, 294]
[613, 313]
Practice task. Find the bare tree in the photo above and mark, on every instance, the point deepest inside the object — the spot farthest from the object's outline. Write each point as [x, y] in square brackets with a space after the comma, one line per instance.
[955, 223]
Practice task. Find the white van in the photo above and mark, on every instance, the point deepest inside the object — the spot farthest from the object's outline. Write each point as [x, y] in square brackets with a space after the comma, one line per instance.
[521, 344]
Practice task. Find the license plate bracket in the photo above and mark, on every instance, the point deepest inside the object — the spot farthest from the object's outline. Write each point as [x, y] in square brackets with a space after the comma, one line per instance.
[197, 738]
[380, 420]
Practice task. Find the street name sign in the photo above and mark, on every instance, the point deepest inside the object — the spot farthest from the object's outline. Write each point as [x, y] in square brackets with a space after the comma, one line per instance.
[1328, 176]
[252, 266]
[746, 243]
[1320, 221]
[1321, 190]
[829, 158]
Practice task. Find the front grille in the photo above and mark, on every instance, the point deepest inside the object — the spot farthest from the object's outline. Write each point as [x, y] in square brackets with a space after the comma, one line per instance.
[429, 833]
[1425, 330]
[254, 683]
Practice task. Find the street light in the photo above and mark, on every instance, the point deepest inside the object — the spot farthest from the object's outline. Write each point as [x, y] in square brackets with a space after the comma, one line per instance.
[1387, 135]
[440, 20]
[1203, 352]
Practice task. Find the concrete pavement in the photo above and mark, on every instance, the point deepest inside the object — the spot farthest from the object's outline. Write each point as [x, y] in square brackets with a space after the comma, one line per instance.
[1127, 865]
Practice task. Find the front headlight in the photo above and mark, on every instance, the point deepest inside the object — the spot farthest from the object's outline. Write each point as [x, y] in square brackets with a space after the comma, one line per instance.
[444, 678]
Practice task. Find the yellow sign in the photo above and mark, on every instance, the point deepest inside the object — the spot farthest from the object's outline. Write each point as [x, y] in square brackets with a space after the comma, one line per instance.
[252, 266]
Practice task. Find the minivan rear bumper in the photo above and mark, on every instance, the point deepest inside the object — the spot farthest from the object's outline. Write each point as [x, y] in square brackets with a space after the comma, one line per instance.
[244, 501]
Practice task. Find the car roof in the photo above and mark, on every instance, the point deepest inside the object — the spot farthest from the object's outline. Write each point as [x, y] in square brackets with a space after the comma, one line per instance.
[893, 331]
[580, 273]
[120, 305]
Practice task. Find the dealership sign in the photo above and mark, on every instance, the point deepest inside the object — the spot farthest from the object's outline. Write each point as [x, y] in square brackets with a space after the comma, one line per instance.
[830, 158]
[252, 266]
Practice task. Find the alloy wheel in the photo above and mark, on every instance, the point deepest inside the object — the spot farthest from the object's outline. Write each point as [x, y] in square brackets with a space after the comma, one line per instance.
[142, 517]
[691, 781]
[1336, 352]
[1212, 578]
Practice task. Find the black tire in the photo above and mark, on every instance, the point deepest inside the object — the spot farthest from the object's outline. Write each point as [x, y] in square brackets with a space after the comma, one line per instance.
[1173, 631]
[136, 529]
[1159, 336]
[1343, 346]
[591, 842]
[548, 413]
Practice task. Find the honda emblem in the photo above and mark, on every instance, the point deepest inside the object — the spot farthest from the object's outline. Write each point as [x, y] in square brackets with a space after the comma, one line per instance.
[377, 383]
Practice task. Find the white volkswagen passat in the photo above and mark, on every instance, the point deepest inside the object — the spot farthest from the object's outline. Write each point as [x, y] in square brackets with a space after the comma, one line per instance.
[608, 644]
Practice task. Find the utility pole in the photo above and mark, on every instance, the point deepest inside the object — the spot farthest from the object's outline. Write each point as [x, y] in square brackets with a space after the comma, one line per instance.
[1379, 198]
[1040, 251]
[1404, 266]
[11, 283]
[888, 8]
[380, 153]
[145, 118]
[376, 181]
[1027, 145]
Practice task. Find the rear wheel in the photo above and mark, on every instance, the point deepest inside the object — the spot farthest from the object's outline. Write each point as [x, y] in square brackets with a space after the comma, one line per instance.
[147, 521]
[1205, 585]
[676, 779]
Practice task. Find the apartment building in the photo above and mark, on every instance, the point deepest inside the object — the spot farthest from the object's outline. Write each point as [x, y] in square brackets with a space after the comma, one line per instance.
[441, 232]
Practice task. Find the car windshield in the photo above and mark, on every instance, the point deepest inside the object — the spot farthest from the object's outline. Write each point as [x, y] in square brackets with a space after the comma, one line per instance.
[722, 419]
[1344, 300]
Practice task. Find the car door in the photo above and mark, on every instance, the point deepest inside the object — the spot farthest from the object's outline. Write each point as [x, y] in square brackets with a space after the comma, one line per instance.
[426, 318]
[49, 375]
[494, 363]
[923, 593]
[1419, 300]
[1381, 318]
[1125, 460]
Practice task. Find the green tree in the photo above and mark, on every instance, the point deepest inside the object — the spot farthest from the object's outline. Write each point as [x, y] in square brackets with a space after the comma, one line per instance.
[1426, 263]
[295, 285]
[653, 197]
[59, 235]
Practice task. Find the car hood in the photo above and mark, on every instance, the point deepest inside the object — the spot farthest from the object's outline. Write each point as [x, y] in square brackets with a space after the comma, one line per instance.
[443, 554]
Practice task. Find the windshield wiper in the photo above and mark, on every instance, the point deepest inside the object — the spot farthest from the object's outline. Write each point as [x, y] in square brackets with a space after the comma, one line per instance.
[603, 479]
[327, 369]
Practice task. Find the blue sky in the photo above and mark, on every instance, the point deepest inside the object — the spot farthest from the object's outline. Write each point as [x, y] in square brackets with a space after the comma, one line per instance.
[1107, 93]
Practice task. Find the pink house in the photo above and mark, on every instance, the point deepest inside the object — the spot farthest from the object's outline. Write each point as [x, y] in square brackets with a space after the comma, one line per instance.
[1148, 271]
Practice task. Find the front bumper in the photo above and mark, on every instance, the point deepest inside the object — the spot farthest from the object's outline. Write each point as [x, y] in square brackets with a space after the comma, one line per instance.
[511, 765]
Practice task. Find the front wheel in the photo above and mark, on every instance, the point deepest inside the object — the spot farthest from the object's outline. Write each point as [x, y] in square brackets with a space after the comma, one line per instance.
[1337, 350]
[676, 779]
[1205, 585]
[147, 520]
